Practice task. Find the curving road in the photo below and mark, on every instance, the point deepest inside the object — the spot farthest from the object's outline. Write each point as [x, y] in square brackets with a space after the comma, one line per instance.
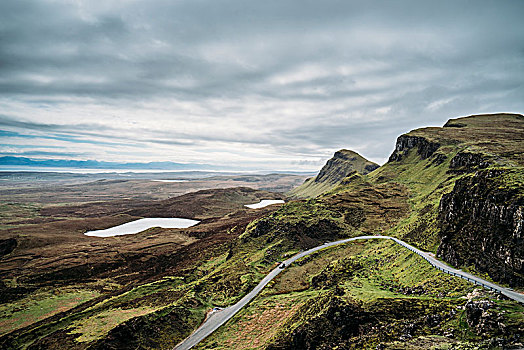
[218, 318]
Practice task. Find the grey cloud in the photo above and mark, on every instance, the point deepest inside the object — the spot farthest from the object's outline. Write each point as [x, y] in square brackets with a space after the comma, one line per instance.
[117, 46]
[369, 70]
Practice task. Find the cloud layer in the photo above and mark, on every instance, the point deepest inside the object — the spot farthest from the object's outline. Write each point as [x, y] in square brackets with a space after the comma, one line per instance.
[266, 84]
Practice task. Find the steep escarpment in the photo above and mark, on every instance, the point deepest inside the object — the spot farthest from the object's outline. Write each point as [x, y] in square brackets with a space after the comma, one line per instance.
[430, 160]
[468, 161]
[445, 212]
[482, 224]
[343, 163]
[487, 139]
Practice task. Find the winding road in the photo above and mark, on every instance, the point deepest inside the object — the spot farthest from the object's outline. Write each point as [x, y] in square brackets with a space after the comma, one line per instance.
[218, 318]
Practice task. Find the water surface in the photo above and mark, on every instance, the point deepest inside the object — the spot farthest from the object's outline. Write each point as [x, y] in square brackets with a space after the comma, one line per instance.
[264, 203]
[142, 225]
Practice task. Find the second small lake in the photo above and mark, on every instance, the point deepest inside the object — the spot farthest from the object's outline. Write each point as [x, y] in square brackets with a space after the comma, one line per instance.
[142, 225]
[264, 203]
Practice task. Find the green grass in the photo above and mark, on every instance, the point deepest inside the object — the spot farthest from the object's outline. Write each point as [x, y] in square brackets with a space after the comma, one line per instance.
[39, 306]
[164, 285]
[97, 326]
[400, 199]
[311, 189]
[427, 183]
[257, 323]
[389, 273]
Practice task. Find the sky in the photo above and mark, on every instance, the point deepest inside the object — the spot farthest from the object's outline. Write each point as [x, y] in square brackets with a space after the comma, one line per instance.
[276, 85]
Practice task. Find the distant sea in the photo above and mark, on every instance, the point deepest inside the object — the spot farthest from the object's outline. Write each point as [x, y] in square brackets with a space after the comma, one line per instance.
[104, 171]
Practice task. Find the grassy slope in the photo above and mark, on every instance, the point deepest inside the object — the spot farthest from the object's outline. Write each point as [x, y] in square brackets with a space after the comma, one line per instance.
[392, 287]
[108, 303]
[497, 138]
[310, 189]
[39, 306]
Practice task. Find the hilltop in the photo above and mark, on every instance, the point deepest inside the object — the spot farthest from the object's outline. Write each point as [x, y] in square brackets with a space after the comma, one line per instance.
[343, 163]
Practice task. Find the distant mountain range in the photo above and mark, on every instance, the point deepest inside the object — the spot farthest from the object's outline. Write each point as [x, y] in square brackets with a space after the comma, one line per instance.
[94, 164]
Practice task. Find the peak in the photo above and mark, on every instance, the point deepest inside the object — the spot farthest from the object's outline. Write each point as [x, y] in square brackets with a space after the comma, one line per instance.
[347, 152]
[344, 163]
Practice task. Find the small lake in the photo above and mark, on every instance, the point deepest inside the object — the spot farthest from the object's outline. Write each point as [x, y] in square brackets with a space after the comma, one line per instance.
[264, 203]
[142, 225]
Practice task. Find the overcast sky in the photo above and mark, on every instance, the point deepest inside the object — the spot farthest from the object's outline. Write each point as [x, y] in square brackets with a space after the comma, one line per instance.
[263, 84]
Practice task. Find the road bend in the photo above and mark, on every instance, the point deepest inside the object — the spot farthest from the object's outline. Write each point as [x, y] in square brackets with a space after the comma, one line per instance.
[218, 318]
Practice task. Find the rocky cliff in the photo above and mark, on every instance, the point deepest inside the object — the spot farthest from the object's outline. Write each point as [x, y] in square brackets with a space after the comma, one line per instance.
[482, 224]
[458, 188]
[425, 148]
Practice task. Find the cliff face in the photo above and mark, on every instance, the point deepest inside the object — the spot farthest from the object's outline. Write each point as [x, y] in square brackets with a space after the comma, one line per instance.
[482, 224]
[469, 161]
[425, 148]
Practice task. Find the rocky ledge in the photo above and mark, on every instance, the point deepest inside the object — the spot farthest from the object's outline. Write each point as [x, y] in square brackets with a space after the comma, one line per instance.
[425, 148]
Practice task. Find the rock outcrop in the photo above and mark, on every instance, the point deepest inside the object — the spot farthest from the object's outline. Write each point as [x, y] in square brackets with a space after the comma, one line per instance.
[326, 322]
[482, 224]
[425, 148]
[483, 318]
[468, 161]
